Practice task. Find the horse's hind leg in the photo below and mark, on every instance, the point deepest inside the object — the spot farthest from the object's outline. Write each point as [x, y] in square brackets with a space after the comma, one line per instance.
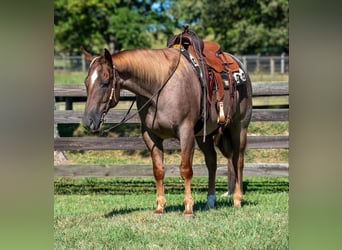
[239, 140]
[210, 157]
[155, 145]
[232, 144]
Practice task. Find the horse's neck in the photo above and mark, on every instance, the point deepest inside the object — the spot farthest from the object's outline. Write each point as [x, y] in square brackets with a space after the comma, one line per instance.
[142, 71]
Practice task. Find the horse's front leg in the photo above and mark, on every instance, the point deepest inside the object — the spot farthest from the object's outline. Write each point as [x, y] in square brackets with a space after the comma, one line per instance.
[155, 145]
[187, 144]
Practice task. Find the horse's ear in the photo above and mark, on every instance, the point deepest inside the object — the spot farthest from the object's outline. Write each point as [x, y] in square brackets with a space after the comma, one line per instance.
[108, 56]
[87, 55]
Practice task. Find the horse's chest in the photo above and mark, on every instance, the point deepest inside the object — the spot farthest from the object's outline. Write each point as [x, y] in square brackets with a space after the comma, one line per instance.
[163, 125]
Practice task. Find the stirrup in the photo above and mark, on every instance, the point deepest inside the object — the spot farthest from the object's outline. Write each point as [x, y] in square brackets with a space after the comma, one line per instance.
[221, 119]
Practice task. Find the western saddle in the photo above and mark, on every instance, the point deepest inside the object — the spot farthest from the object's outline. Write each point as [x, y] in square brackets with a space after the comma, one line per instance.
[216, 67]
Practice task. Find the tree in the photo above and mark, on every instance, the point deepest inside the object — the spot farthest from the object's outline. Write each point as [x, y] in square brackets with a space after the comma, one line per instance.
[248, 27]
[240, 26]
[95, 24]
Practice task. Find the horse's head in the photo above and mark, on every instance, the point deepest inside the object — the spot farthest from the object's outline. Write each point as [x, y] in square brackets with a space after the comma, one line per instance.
[102, 90]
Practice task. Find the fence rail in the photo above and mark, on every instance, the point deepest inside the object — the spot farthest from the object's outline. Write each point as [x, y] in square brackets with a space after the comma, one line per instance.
[253, 63]
[259, 89]
[115, 116]
[77, 93]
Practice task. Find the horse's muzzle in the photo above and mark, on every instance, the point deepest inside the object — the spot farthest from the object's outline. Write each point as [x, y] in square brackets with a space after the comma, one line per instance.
[90, 126]
[93, 124]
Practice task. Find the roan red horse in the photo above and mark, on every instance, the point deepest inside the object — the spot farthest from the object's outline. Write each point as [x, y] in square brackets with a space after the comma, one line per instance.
[170, 102]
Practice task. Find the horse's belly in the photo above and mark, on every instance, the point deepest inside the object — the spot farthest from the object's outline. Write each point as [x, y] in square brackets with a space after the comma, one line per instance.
[162, 127]
[167, 124]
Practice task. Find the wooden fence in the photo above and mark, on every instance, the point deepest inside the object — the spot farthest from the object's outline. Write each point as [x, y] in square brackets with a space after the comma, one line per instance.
[253, 63]
[270, 103]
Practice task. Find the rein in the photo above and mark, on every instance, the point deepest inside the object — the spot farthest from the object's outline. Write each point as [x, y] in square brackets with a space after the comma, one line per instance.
[126, 117]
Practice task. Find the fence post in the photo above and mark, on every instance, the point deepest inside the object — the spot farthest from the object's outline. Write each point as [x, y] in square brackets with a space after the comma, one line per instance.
[83, 62]
[55, 126]
[64, 62]
[272, 66]
[257, 67]
[282, 63]
[68, 103]
[244, 61]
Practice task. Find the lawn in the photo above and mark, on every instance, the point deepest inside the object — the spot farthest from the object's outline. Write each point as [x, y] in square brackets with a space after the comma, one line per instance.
[117, 213]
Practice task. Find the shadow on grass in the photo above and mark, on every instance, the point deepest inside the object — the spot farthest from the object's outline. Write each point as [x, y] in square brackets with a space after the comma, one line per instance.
[265, 186]
[199, 207]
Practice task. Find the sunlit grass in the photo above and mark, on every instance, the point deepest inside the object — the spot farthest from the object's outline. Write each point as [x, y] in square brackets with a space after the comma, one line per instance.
[69, 77]
[80, 221]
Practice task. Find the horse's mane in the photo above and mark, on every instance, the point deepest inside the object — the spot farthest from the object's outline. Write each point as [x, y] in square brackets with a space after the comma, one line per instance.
[147, 65]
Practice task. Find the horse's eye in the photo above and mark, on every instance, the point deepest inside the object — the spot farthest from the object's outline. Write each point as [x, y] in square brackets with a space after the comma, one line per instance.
[105, 83]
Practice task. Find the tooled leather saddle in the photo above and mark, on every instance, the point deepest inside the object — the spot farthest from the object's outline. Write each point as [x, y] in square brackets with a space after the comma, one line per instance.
[216, 69]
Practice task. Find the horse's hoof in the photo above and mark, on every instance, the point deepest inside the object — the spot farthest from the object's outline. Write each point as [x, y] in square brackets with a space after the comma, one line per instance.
[158, 213]
[188, 216]
[208, 207]
[211, 201]
[237, 204]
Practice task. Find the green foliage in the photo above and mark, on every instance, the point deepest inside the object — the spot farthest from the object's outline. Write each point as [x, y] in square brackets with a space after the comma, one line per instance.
[96, 24]
[248, 27]
[241, 27]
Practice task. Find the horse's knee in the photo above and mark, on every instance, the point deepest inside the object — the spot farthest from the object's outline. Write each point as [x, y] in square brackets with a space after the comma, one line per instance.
[158, 173]
[186, 172]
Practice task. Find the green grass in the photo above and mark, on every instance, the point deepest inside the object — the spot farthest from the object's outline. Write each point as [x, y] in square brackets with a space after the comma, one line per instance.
[80, 221]
[266, 77]
[66, 77]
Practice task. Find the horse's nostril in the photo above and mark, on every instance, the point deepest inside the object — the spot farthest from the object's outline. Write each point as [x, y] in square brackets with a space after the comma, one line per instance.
[92, 125]
[87, 124]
